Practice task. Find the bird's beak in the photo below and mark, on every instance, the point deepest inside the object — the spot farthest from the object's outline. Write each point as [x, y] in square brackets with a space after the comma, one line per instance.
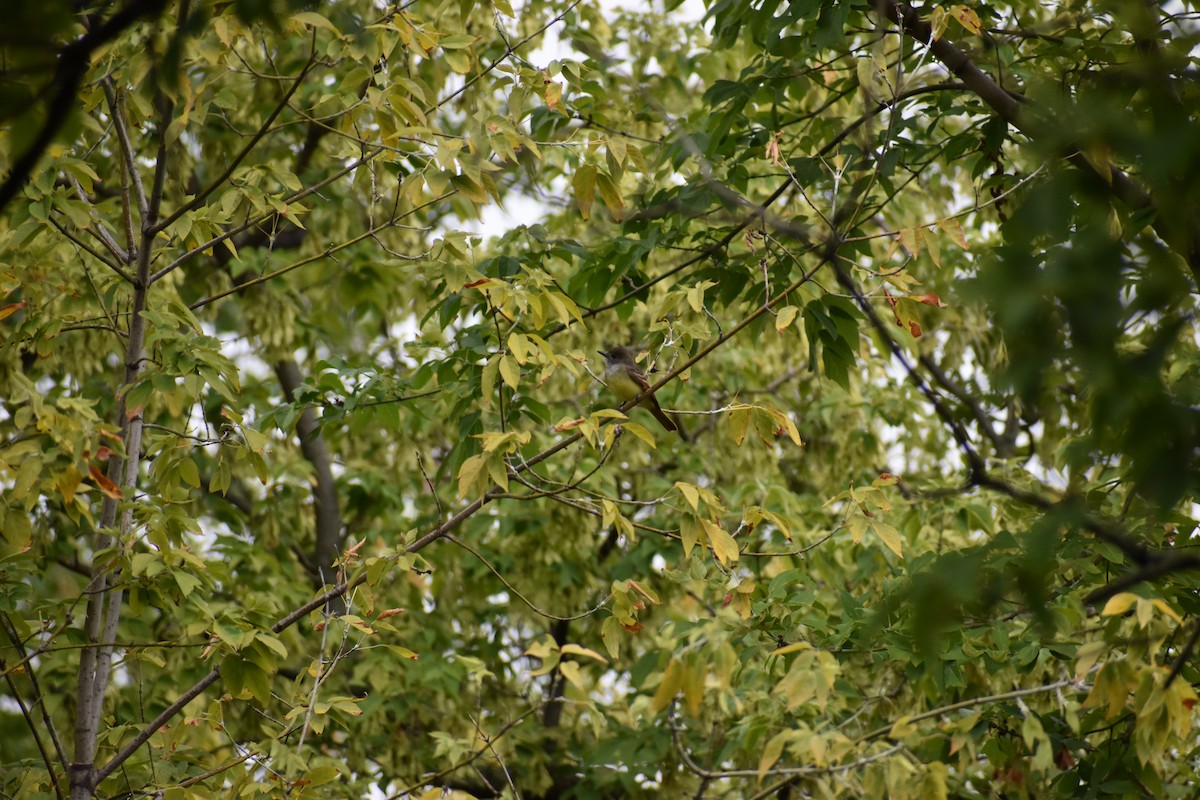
[601, 352]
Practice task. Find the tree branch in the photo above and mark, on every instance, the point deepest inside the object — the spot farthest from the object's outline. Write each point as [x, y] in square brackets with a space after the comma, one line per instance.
[1011, 109]
[73, 62]
[328, 516]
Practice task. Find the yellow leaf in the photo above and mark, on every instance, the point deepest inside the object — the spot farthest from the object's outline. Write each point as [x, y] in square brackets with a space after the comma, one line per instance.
[519, 345]
[570, 670]
[693, 686]
[690, 493]
[786, 425]
[546, 651]
[313, 20]
[491, 371]
[510, 371]
[933, 784]
[1118, 604]
[794, 647]
[724, 546]
[1145, 612]
[934, 246]
[641, 432]
[901, 728]
[574, 649]
[938, 21]
[967, 18]
[610, 513]
[771, 753]
[857, 526]
[1162, 606]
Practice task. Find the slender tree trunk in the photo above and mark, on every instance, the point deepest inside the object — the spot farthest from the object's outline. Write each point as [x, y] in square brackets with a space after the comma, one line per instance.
[105, 593]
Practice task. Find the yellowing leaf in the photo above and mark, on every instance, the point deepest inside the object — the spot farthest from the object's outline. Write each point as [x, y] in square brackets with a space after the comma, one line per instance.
[786, 425]
[497, 469]
[668, 687]
[967, 18]
[888, 535]
[1113, 683]
[584, 183]
[611, 194]
[787, 315]
[902, 728]
[1087, 656]
[553, 94]
[1145, 612]
[11, 309]
[739, 423]
[469, 472]
[954, 230]
[910, 239]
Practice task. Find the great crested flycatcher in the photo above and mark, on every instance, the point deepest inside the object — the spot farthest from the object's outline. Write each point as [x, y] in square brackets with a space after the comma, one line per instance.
[626, 380]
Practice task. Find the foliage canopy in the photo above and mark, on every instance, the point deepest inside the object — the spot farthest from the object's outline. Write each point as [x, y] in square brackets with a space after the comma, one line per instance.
[310, 489]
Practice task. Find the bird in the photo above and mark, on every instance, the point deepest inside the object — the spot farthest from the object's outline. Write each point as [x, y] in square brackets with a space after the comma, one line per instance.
[626, 380]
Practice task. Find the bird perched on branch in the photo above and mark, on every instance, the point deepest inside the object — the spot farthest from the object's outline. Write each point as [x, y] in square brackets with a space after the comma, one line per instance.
[627, 380]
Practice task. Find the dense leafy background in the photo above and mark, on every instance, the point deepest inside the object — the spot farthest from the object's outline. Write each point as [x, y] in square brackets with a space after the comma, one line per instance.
[310, 490]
